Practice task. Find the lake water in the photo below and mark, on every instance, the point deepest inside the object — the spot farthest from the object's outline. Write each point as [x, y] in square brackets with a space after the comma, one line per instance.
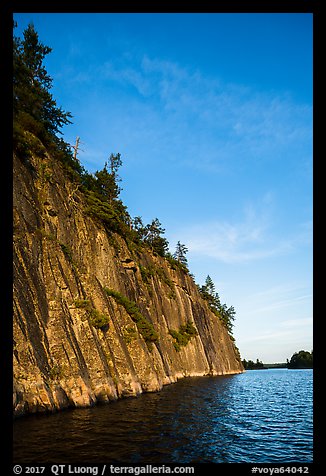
[261, 416]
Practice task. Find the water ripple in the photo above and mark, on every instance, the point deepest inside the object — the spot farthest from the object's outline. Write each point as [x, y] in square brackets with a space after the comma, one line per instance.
[255, 417]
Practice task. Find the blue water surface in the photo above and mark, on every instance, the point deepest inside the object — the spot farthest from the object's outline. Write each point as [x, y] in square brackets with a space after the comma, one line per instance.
[260, 416]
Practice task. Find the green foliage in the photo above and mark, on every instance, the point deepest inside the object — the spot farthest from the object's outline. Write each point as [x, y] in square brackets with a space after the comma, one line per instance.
[115, 164]
[301, 360]
[189, 329]
[175, 264]
[151, 235]
[114, 215]
[96, 318]
[106, 181]
[146, 273]
[251, 365]
[151, 271]
[34, 108]
[183, 335]
[180, 254]
[103, 211]
[82, 304]
[25, 143]
[145, 328]
[209, 287]
[225, 314]
[236, 350]
[129, 334]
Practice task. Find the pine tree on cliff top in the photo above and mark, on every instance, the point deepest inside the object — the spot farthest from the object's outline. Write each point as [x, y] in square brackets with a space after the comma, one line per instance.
[34, 108]
[180, 253]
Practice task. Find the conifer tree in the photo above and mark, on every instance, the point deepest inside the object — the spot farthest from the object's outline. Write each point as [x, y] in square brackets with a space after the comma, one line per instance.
[180, 253]
[209, 286]
[139, 227]
[221, 310]
[152, 236]
[107, 179]
[35, 110]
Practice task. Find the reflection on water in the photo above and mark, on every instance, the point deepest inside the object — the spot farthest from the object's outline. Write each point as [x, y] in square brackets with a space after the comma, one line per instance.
[258, 416]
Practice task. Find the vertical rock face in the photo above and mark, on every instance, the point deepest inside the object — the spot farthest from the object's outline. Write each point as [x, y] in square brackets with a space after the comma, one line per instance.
[84, 301]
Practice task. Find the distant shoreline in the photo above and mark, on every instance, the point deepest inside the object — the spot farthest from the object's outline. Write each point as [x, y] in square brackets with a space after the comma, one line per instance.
[279, 366]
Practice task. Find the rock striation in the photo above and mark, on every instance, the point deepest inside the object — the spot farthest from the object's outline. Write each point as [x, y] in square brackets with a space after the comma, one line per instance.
[84, 300]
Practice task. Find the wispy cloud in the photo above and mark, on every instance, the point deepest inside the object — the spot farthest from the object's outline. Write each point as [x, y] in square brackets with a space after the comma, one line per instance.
[284, 339]
[251, 238]
[280, 304]
[235, 125]
[295, 323]
[236, 130]
[281, 316]
[269, 336]
[279, 289]
[127, 75]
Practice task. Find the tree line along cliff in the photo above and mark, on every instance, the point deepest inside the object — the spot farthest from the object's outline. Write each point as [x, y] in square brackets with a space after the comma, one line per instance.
[101, 309]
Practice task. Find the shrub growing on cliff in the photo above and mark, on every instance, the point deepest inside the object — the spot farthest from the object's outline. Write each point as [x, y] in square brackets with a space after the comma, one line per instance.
[145, 328]
[129, 334]
[82, 303]
[102, 210]
[98, 319]
[175, 264]
[146, 274]
[183, 335]
[95, 317]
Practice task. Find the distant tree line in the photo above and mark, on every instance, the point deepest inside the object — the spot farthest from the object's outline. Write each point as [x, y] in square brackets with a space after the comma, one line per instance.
[299, 360]
[251, 365]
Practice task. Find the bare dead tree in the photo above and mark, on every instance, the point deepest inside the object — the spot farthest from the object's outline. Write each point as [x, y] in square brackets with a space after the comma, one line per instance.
[76, 147]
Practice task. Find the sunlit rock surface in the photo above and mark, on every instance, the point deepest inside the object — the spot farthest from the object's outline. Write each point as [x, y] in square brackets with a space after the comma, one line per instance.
[64, 259]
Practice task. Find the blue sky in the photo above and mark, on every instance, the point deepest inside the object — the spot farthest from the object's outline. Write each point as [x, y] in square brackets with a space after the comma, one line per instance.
[212, 116]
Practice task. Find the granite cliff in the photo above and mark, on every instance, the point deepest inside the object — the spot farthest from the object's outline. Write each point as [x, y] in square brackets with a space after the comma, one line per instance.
[95, 319]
